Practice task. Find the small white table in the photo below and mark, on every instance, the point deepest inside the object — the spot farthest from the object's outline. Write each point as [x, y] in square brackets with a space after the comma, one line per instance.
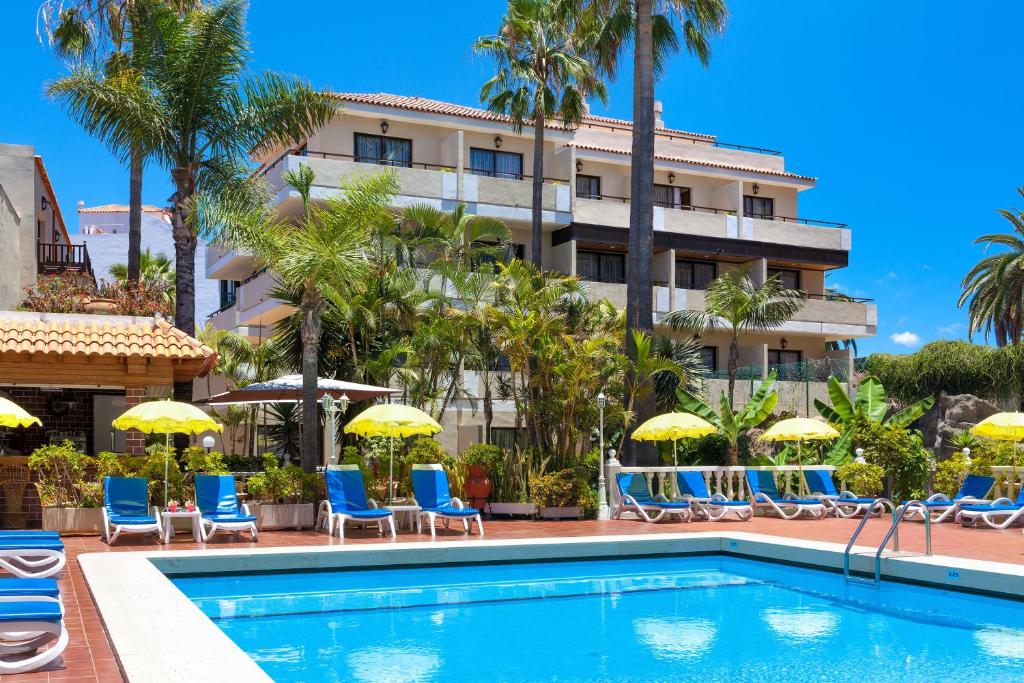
[410, 514]
[168, 521]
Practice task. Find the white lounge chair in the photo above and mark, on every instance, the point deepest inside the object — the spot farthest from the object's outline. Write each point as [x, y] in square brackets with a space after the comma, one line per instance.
[715, 506]
[218, 504]
[845, 504]
[999, 514]
[635, 496]
[765, 493]
[346, 501]
[941, 508]
[430, 487]
[27, 625]
[126, 508]
[32, 557]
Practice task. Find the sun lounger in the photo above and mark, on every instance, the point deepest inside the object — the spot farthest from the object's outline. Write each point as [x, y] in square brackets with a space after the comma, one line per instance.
[714, 507]
[27, 625]
[635, 496]
[32, 557]
[346, 500]
[217, 501]
[126, 508]
[430, 487]
[845, 504]
[972, 492]
[765, 493]
[27, 533]
[998, 514]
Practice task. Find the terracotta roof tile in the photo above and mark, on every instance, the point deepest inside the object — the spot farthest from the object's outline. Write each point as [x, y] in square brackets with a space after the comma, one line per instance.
[48, 186]
[98, 335]
[119, 208]
[695, 162]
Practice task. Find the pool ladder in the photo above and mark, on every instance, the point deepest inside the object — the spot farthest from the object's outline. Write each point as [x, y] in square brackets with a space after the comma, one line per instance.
[893, 533]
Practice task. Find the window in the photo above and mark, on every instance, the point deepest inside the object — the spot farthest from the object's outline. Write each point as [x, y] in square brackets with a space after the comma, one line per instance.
[694, 274]
[709, 357]
[501, 364]
[495, 164]
[228, 293]
[790, 279]
[671, 197]
[588, 186]
[377, 149]
[505, 255]
[779, 357]
[599, 266]
[507, 438]
[758, 207]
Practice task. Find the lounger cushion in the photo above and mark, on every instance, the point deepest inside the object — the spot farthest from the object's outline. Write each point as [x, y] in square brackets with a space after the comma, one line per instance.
[34, 587]
[28, 533]
[797, 501]
[124, 519]
[30, 611]
[227, 518]
[933, 503]
[858, 501]
[454, 512]
[729, 504]
[366, 514]
[31, 544]
[991, 508]
[665, 505]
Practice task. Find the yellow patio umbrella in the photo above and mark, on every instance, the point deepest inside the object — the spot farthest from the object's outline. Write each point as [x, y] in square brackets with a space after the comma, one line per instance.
[1003, 427]
[13, 415]
[166, 417]
[393, 420]
[671, 427]
[799, 429]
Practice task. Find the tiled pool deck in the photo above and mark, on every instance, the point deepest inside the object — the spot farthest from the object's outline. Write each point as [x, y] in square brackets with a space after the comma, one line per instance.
[89, 656]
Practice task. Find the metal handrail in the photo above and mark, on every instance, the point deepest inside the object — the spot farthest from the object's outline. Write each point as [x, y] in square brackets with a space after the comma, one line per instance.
[860, 527]
[894, 529]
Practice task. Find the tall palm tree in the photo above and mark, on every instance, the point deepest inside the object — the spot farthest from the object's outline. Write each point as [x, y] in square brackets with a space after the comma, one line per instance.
[733, 300]
[540, 52]
[656, 28]
[192, 107]
[101, 31]
[993, 289]
[322, 259]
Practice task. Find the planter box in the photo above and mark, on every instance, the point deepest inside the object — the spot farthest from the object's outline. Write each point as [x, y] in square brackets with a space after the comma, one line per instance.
[524, 509]
[561, 513]
[285, 516]
[71, 521]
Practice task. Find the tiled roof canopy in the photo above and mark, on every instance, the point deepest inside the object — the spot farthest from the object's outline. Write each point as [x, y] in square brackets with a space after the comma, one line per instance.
[120, 208]
[99, 336]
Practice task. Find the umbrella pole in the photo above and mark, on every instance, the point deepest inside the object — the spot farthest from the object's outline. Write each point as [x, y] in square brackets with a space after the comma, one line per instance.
[391, 468]
[675, 468]
[799, 470]
[167, 458]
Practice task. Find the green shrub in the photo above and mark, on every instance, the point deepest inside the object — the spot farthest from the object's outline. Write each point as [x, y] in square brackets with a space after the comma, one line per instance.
[864, 479]
[276, 484]
[488, 456]
[61, 471]
[198, 461]
[558, 489]
[242, 463]
[898, 451]
[152, 467]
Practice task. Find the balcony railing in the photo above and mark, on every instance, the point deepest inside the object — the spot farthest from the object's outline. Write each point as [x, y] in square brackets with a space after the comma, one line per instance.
[665, 135]
[54, 258]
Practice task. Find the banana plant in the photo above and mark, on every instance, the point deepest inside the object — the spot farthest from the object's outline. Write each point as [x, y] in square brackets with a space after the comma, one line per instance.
[733, 423]
[870, 403]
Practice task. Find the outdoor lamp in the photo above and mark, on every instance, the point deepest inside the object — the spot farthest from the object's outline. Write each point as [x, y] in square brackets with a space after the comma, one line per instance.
[757, 188]
[497, 142]
[579, 166]
[603, 511]
[343, 402]
[671, 178]
[44, 202]
[860, 456]
[967, 454]
[602, 400]
[209, 442]
[384, 127]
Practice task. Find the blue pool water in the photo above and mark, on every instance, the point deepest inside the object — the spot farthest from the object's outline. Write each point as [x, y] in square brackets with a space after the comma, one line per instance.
[698, 618]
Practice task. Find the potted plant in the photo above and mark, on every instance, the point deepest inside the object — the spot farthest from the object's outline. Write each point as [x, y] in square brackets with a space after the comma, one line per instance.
[281, 497]
[480, 461]
[559, 495]
[509, 493]
[70, 503]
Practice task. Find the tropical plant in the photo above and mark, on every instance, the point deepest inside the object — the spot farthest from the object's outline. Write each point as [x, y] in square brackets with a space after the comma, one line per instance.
[870, 403]
[958, 441]
[155, 270]
[60, 470]
[898, 451]
[993, 289]
[733, 423]
[542, 73]
[189, 104]
[864, 479]
[687, 356]
[734, 299]
[64, 293]
[642, 379]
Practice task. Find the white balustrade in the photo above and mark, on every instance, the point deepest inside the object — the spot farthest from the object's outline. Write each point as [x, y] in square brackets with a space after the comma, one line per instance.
[1008, 481]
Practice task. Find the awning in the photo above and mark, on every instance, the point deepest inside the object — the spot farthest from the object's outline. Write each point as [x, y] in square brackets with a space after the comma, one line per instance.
[288, 389]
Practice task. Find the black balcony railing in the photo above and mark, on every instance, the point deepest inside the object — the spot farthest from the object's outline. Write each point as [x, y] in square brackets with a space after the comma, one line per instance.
[53, 259]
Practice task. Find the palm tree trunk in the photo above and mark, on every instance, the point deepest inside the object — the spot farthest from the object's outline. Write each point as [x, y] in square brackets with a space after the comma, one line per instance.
[734, 354]
[134, 214]
[311, 327]
[488, 407]
[536, 233]
[639, 313]
[184, 236]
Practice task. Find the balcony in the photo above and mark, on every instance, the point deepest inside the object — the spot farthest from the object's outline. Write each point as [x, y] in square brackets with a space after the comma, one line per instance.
[256, 305]
[55, 259]
[227, 263]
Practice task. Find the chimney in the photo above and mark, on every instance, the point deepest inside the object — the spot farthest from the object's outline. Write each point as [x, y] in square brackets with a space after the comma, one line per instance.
[658, 108]
[81, 204]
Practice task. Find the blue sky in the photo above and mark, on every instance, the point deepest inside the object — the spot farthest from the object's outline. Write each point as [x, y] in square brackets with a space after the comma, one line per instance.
[907, 112]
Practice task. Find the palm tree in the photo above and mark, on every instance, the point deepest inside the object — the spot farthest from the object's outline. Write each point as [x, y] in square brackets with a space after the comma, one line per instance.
[654, 28]
[734, 300]
[192, 107]
[994, 288]
[101, 30]
[154, 270]
[540, 52]
[322, 259]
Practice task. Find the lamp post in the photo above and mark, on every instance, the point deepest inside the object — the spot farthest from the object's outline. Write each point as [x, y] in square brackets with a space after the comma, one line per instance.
[967, 455]
[331, 410]
[860, 456]
[208, 443]
[602, 494]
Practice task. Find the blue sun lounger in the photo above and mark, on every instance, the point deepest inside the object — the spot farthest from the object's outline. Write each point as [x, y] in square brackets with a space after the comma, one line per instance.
[999, 514]
[764, 492]
[27, 623]
[217, 501]
[714, 507]
[26, 533]
[635, 496]
[430, 487]
[845, 504]
[27, 557]
[346, 500]
[126, 508]
[972, 492]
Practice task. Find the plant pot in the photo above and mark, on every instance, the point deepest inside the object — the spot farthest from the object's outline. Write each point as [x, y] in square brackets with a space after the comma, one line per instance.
[282, 515]
[561, 513]
[101, 305]
[478, 486]
[511, 509]
[73, 521]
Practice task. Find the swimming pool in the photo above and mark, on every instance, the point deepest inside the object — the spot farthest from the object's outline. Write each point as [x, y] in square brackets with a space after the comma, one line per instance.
[706, 618]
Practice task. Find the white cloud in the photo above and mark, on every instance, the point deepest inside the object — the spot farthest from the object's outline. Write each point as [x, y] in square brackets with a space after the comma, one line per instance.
[955, 328]
[907, 338]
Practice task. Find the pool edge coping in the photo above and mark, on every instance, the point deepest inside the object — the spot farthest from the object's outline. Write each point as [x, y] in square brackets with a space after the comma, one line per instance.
[192, 647]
